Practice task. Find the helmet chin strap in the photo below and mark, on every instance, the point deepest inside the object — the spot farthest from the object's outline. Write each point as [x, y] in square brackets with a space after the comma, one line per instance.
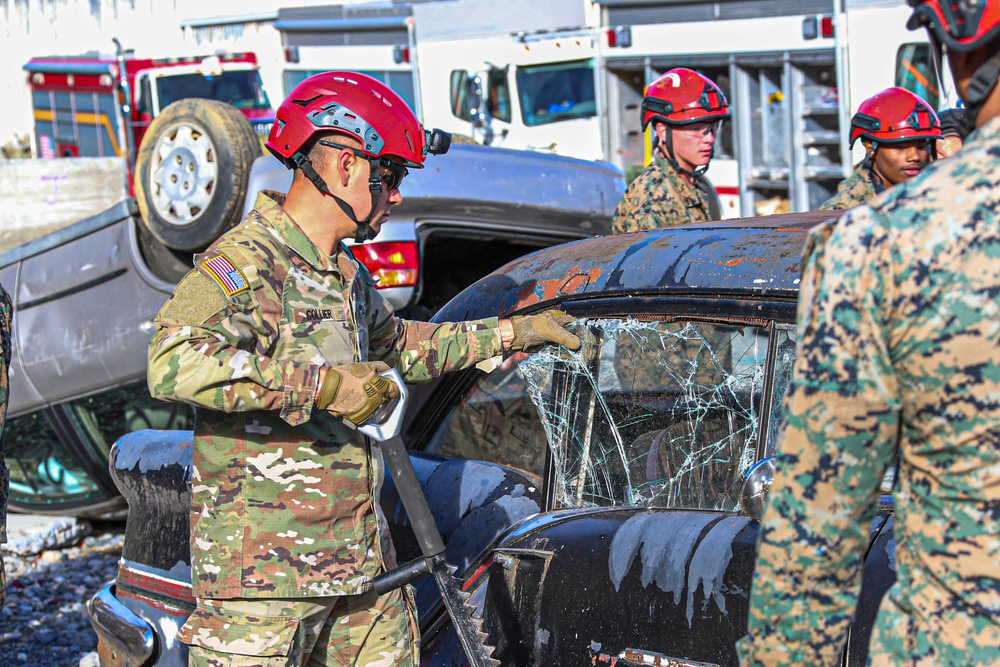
[980, 86]
[364, 232]
[869, 165]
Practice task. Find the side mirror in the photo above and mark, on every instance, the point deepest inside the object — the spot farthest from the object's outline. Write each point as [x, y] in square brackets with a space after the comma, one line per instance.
[756, 485]
[481, 119]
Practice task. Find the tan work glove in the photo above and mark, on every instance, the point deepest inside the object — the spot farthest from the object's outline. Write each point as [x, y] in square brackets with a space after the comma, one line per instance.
[356, 391]
[532, 331]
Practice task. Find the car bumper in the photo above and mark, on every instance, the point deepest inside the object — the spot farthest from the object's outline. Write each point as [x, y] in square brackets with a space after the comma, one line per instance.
[122, 637]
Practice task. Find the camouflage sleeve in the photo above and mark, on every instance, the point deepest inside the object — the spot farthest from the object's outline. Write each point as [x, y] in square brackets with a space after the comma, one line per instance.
[838, 436]
[209, 350]
[422, 351]
[6, 330]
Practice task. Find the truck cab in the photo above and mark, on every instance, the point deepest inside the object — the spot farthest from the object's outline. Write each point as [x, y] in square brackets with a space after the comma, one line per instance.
[542, 97]
[95, 105]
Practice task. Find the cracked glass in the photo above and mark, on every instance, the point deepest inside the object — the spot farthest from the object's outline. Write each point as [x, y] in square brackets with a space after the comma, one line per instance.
[646, 414]
[651, 414]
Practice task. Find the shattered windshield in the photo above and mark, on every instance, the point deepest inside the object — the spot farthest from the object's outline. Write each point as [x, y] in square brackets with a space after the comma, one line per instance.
[646, 414]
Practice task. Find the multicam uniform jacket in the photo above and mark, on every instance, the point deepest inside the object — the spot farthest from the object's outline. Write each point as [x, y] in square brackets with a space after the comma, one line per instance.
[858, 188]
[899, 347]
[6, 315]
[659, 197]
[284, 497]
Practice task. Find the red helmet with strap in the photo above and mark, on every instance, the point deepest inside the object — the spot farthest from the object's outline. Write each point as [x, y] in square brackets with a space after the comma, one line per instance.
[895, 115]
[352, 104]
[682, 96]
[962, 25]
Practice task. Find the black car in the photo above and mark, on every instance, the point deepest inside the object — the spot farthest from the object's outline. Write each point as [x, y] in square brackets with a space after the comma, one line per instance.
[602, 504]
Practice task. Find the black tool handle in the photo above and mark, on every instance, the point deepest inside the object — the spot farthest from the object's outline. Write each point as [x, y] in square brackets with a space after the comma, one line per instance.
[417, 510]
[406, 573]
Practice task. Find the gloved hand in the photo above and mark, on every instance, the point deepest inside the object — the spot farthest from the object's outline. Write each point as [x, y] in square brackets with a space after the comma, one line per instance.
[531, 331]
[356, 391]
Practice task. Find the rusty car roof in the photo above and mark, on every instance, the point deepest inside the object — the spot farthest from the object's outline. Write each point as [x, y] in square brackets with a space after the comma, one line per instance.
[751, 256]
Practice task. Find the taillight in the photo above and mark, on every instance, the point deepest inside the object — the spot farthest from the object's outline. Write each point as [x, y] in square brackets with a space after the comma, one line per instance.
[391, 263]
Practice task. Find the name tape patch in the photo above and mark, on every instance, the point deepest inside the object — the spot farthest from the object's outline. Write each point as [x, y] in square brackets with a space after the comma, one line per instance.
[226, 274]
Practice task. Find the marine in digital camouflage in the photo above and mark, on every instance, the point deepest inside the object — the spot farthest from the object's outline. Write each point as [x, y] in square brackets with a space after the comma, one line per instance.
[899, 343]
[858, 188]
[280, 632]
[659, 197]
[6, 317]
[284, 496]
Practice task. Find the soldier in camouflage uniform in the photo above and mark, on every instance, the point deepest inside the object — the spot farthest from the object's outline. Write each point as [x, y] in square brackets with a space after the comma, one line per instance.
[6, 314]
[686, 110]
[898, 350]
[899, 131]
[279, 337]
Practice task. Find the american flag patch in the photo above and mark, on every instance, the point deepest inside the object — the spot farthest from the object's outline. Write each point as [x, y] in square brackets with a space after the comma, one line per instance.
[228, 276]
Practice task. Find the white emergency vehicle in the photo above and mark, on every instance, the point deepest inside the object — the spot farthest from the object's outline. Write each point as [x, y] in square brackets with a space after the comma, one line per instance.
[568, 76]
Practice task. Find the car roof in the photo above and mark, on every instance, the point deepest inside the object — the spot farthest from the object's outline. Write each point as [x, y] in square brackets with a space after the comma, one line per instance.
[754, 257]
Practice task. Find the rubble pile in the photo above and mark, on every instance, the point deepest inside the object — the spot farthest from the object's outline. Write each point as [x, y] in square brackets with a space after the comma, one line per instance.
[50, 576]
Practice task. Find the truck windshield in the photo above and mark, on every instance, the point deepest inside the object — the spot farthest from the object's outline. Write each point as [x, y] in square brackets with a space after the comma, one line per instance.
[240, 88]
[556, 91]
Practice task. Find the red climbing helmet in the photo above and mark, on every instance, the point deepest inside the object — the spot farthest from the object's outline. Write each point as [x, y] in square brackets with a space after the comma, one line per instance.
[682, 96]
[962, 25]
[895, 115]
[352, 104]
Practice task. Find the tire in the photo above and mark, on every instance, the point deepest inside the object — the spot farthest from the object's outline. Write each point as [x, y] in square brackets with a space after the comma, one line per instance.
[192, 171]
[166, 264]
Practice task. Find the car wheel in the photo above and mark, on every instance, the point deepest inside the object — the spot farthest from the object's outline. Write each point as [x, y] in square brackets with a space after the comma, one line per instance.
[192, 170]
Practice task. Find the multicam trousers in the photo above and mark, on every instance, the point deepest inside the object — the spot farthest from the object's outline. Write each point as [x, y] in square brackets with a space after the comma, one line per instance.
[364, 630]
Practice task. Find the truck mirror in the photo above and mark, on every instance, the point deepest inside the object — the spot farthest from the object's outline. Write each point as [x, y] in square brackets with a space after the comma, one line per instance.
[481, 119]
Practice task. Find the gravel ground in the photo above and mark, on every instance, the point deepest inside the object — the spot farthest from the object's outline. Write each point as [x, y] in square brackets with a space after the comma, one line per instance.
[51, 573]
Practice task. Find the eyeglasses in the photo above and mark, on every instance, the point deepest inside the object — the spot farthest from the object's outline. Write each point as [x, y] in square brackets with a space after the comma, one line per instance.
[391, 178]
[703, 128]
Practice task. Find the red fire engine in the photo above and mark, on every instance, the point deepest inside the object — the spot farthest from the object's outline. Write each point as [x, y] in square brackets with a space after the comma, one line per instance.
[100, 106]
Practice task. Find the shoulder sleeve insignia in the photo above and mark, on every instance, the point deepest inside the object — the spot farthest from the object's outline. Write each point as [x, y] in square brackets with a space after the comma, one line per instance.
[223, 271]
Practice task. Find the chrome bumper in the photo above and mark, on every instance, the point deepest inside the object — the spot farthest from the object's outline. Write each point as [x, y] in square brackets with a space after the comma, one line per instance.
[123, 639]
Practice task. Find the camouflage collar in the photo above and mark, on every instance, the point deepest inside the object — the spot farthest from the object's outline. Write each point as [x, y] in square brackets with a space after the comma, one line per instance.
[269, 206]
[676, 181]
[863, 174]
[988, 131]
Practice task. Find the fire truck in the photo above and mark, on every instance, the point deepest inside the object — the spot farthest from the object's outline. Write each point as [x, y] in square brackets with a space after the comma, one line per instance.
[96, 105]
[187, 130]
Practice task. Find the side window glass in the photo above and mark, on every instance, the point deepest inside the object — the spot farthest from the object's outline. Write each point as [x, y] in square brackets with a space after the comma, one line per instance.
[495, 422]
[916, 72]
[785, 352]
[102, 419]
[498, 94]
[42, 472]
[460, 94]
[145, 104]
[652, 414]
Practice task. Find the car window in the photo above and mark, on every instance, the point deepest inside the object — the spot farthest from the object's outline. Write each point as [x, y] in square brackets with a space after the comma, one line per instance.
[42, 471]
[651, 414]
[495, 421]
[915, 71]
[784, 360]
[101, 419]
[48, 470]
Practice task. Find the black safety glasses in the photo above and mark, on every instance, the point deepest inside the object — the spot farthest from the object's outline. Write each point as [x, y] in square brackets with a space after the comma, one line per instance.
[392, 178]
